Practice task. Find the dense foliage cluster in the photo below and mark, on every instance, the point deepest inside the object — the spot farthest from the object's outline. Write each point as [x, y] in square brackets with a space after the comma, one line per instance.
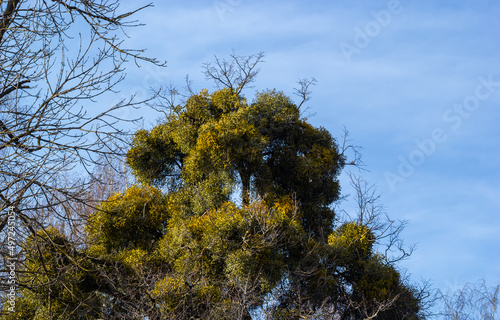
[180, 244]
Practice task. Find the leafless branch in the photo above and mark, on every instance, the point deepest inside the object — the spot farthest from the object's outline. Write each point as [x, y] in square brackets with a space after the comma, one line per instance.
[236, 73]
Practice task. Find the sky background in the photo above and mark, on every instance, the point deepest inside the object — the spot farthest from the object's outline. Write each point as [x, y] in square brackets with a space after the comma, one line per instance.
[416, 83]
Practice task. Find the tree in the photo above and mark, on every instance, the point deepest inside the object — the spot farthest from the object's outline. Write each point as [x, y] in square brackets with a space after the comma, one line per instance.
[218, 140]
[217, 143]
[181, 243]
[56, 58]
[472, 301]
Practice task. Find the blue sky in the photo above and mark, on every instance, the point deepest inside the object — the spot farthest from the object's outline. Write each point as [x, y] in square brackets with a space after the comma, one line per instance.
[417, 84]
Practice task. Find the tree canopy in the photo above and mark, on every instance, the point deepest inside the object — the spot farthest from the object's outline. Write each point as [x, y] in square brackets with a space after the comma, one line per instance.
[218, 142]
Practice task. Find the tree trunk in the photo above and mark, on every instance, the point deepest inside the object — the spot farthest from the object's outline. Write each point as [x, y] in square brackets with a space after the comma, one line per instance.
[245, 189]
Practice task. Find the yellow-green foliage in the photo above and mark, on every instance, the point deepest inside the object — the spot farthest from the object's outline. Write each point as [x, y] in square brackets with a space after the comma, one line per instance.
[55, 269]
[26, 307]
[171, 293]
[272, 109]
[372, 277]
[156, 153]
[238, 245]
[379, 281]
[132, 220]
[223, 251]
[352, 240]
[217, 142]
[176, 296]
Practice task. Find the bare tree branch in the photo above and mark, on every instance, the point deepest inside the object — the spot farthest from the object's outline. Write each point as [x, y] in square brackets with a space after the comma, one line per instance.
[236, 73]
[58, 58]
